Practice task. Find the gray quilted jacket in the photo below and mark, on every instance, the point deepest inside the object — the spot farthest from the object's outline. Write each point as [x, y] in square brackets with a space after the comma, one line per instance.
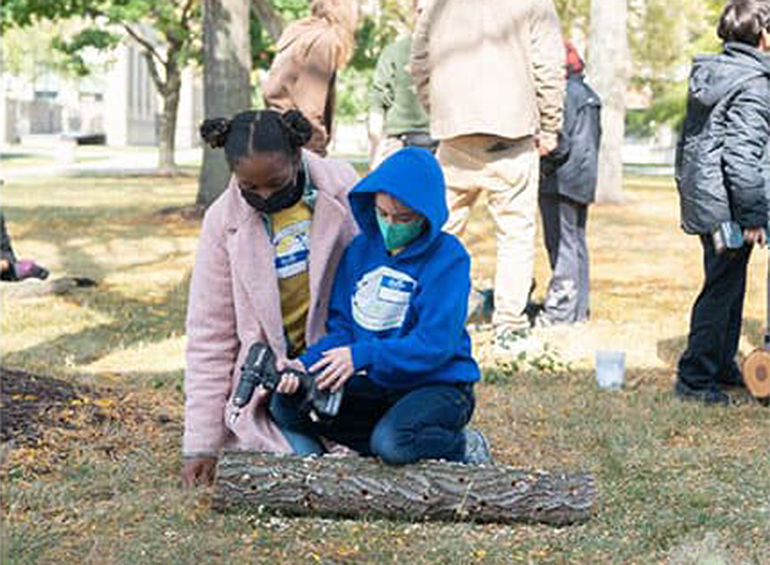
[721, 163]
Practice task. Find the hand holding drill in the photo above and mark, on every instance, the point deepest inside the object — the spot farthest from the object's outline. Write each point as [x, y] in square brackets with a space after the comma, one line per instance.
[260, 369]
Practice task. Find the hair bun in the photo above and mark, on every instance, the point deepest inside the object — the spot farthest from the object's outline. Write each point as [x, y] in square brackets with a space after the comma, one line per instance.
[298, 127]
[215, 131]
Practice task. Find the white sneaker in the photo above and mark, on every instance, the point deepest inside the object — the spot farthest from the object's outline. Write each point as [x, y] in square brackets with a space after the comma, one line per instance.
[476, 448]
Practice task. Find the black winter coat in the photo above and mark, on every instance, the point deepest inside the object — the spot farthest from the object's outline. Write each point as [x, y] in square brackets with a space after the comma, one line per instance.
[721, 161]
[571, 169]
[6, 251]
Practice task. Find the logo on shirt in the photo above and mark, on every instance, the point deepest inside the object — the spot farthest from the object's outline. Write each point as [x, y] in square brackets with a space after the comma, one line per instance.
[382, 298]
[292, 249]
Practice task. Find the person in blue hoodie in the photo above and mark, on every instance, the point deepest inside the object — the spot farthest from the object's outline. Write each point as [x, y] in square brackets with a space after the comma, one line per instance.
[396, 337]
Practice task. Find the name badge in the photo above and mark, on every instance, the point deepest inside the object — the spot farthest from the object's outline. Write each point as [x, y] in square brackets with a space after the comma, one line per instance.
[292, 249]
[381, 299]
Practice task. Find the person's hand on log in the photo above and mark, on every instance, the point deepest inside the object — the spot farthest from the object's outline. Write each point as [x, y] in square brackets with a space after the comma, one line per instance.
[198, 471]
[336, 367]
[289, 383]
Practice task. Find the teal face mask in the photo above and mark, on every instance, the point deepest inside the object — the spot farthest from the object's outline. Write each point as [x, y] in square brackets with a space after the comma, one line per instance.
[399, 235]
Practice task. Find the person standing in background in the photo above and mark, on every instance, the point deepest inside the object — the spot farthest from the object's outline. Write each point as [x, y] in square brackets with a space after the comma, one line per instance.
[11, 268]
[396, 116]
[491, 76]
[303, 75]
[567, 186]
[721, 173]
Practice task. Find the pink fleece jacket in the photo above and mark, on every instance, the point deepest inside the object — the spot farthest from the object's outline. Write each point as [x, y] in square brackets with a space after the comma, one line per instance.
[234, 301]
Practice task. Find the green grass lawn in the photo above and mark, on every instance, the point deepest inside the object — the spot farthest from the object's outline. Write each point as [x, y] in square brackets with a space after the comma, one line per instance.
[678, 482]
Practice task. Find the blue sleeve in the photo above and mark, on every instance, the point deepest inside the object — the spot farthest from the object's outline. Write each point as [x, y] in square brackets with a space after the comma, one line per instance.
[339, 324]
[441, 308]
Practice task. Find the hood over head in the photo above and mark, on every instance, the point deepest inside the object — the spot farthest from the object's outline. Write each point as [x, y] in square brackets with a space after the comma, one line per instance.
[713, 76]
[412, 176]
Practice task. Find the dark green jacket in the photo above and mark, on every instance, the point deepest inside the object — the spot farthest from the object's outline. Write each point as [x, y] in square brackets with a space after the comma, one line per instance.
[394, 94]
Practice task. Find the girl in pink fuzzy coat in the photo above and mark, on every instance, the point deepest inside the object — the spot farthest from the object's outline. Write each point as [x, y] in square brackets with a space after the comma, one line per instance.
[267, 255]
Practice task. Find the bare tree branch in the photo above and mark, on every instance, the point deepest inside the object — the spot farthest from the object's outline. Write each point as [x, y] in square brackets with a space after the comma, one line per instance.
[148, 46]
[268, 17]
[186, 11]
[160, 84]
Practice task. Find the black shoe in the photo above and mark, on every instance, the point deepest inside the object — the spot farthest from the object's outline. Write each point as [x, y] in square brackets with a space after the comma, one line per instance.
[733, 379]
[708, 396]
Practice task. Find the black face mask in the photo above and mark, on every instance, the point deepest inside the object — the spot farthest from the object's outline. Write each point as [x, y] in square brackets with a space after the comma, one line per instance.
[281, 199]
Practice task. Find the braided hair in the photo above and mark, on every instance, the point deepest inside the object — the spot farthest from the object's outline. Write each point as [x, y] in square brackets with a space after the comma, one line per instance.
[256, 131]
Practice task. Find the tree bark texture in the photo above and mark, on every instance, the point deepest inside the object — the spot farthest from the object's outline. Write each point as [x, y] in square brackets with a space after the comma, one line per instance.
[168, 118]
[607, 72]
[226, 81]
[358, 487]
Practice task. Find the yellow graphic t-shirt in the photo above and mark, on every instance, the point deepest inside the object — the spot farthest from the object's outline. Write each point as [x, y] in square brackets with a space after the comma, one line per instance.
[291, 240]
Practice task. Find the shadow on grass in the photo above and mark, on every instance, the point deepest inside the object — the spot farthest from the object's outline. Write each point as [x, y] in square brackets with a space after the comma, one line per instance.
[99, 225]
[18, 156]
[134, 322]
[54, 223]
[184, 171]
[670, 350]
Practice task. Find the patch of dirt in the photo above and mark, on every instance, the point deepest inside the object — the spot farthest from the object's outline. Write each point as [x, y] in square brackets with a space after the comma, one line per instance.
[48, 424]
[29, 403]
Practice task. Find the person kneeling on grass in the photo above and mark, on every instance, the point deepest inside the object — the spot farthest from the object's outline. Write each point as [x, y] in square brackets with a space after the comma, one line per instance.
[396, 336]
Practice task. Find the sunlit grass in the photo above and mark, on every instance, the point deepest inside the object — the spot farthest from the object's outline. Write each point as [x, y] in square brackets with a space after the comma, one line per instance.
[677, 482]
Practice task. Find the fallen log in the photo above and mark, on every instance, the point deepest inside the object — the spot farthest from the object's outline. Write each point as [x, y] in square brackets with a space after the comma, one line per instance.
[358, 487]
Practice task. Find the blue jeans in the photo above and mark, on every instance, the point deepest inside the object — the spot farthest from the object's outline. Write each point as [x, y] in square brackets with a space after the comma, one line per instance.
[399, 426]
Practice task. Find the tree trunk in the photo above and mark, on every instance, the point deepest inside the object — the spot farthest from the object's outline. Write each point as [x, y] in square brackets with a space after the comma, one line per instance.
[269, 17]
[168, 118]
[358, 487]
[607, 70]
[226, 81]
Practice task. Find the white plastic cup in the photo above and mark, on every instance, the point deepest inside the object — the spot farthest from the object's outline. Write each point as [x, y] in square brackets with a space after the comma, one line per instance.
[610, 369]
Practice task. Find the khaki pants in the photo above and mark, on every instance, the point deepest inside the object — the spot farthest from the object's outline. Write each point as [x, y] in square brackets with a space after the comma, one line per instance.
[509, 176]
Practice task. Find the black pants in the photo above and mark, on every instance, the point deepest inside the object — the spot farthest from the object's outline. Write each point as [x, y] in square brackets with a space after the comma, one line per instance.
[715, 324]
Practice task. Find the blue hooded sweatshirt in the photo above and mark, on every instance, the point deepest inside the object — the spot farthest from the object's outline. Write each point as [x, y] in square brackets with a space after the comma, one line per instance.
[402, 315]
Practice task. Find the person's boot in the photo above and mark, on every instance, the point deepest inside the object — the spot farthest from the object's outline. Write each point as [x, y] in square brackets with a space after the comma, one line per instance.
[26, 269]
[708, 396]
[732, 379]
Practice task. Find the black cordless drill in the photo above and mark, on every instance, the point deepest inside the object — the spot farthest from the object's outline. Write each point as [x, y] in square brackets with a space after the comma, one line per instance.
[260, 369]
